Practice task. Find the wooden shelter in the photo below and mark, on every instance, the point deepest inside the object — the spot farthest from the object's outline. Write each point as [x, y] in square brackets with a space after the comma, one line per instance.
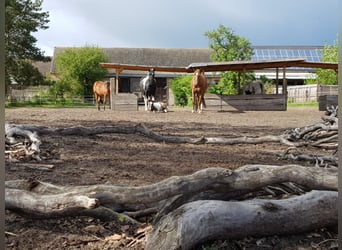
[277, 101]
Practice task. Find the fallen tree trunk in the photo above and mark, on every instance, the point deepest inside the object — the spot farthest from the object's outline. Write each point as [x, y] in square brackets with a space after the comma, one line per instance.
[290, 138]
[201, 221]
[47, 206]
[35, 196]
[321, 135]
[320, 160]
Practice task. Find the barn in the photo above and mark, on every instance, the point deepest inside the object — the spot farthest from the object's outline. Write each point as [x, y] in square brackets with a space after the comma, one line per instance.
[128, 80]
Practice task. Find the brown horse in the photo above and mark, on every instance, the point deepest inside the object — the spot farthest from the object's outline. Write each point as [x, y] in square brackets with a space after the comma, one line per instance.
[101, 91]
[199, 85]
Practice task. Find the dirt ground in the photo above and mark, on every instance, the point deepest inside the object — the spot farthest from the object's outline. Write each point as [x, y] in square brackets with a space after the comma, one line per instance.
[130, 160]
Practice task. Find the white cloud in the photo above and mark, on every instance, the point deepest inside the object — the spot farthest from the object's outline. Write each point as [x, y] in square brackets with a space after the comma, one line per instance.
[179, 23]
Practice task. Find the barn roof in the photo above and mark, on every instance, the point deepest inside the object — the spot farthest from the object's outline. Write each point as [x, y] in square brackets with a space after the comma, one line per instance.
[43, 67]
[173, 57]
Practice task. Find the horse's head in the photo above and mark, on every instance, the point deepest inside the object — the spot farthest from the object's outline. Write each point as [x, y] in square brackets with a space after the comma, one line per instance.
[197, 74]
[151, 73]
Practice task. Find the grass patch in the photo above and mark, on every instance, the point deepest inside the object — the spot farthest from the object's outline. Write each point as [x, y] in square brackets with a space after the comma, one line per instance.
[302, 104]
[29, 104]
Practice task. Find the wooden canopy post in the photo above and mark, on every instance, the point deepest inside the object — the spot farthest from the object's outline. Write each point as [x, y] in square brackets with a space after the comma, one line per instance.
[243, 79]
[277, 81]
[112, 91]
[284, 81]
[114, 87]
[117, 72]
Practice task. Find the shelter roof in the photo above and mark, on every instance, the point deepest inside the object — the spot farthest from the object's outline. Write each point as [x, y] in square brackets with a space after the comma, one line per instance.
[120, 67]
[225, 66]
[246, 65]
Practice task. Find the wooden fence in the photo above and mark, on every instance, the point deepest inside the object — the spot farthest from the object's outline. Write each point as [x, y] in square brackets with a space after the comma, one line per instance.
[326, 95]
[246, 102]
[125, 101]
[326, 101]
[310, 93]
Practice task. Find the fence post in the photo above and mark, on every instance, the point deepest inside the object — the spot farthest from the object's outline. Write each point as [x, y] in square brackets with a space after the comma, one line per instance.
[112, 92]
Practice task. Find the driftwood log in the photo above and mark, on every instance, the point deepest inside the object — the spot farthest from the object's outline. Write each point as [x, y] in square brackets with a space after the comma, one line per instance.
[201, 221]
[45, 199]
[323, 135]
[179, 200]
[289, 138]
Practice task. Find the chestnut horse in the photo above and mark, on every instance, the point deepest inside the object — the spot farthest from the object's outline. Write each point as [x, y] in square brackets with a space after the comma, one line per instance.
[199, 85]
[101, 92]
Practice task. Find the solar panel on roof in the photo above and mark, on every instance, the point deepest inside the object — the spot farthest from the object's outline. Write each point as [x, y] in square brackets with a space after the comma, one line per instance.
[311, 54]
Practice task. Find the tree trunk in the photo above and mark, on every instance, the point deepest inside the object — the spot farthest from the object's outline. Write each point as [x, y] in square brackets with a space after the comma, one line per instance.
[291, 138]
[321, 135]
[49, 200]
[182, 220]
[201, 221]
[36, 205]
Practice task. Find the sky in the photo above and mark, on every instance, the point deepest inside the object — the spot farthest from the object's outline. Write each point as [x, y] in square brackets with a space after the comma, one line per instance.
[183, 23]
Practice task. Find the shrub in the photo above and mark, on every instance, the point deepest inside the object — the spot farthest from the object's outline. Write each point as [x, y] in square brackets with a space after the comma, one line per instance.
[181, 89]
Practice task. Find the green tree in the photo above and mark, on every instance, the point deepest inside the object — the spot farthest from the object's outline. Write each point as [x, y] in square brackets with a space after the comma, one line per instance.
[22, 18]
[326, 76]
[181, 89]
[27, 74]
[228, 46]
[78, 69]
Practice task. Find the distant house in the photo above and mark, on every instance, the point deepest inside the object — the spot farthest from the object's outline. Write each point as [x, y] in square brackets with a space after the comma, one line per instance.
[182, 57]
[43, 67]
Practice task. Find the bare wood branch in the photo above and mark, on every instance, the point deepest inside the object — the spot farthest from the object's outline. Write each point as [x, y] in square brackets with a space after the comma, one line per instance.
[323, 160]
[141, 129]
[37, 166]
[200, 221]
[106, 214]
[33, 204]
[12, 130]
[251, 140]
[244, 179]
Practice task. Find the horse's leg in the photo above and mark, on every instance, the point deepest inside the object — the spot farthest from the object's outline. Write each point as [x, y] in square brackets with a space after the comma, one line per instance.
[203, 102]
[193, 102]
[199, 103]
[108, 98]
[152, 101]
[146, 102]
[97, 101]
[104, 102]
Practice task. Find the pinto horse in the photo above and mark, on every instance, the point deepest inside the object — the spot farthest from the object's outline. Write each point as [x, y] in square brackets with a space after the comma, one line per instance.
[199, 85]
[254, 88]
[148, 86]
[101, 92]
